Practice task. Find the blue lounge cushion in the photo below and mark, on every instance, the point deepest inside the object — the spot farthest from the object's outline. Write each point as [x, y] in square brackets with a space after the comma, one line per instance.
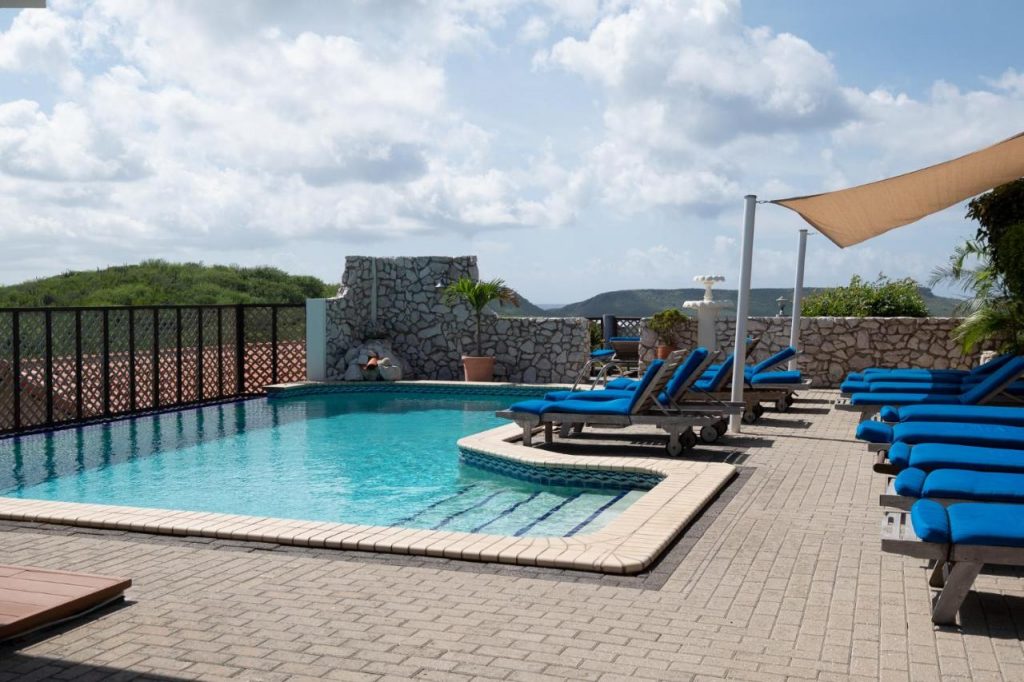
[717, 378]
[913, 387]
[979, 523]
[969, 523]
[874, 432]
[851, 386]
[623, 383]
[968, 414]
[910, 482]
[601, 353]
[1008, 372]
[780, 377]
[624, 338]
[598, 394]
[988, 435]
[685, 371]
[772, 360]
[956, 484]
[542, 407]
[930, 521]
[903, 399]
[932, 456]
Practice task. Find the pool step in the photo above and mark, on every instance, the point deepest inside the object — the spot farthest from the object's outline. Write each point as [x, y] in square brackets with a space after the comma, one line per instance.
[481, 509]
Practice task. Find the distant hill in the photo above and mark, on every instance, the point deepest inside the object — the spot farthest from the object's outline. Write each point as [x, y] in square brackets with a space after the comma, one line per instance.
[645, 302]
[159, 282]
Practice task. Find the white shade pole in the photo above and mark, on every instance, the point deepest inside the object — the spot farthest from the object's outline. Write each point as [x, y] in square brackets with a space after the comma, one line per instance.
[798, 297]
[743, 308]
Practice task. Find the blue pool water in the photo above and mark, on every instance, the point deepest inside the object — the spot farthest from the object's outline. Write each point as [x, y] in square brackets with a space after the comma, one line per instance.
[367, 458]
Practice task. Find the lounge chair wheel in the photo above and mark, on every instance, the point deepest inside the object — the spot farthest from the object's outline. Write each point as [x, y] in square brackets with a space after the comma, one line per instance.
[674, 449]
[689, 439]
[709, 434]
[782, 405]
[749, 417]
[722, 427]
[758, 411]
[790, 399]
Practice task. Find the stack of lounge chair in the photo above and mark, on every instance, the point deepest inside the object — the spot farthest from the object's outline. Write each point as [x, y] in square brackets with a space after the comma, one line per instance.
[955, 467]
[657, 399]
[763, 384]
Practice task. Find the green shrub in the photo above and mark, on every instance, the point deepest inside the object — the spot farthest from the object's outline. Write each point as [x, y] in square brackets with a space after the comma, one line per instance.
[882, 298]
[668, 324]
[596, 337]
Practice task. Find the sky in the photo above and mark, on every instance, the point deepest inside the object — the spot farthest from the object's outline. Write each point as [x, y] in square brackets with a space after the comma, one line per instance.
[576, 147]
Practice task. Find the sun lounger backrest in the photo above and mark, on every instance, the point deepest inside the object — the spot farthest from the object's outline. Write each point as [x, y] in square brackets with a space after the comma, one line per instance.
[646, 397]
[688, 372]
[720, 376]
[994, 383]
[772, 360]
[992, 365]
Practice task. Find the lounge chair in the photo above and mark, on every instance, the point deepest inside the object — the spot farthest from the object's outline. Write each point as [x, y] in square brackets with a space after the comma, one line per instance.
[881, 436]
[948, 486]
[965, 414]
[642, 408]
[961, 539]
[993, 386]
[932, 456]
[919, 374]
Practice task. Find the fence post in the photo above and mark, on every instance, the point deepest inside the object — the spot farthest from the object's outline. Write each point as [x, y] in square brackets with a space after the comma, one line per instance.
[48, 363]
[239, 349]
[273, 344]
[177, 357]
[106, 361]
[78, 364]
[156, 358]
[16, 367]
[199, 353]
[610, 327]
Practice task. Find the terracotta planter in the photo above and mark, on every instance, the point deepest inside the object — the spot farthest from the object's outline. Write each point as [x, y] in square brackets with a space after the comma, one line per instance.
[663, 351]
[478, 369]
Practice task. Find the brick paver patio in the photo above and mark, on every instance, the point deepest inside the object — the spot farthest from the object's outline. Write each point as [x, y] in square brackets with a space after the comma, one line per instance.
[783, 579]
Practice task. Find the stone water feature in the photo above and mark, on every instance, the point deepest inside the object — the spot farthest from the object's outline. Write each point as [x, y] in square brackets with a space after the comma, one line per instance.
[393, 308]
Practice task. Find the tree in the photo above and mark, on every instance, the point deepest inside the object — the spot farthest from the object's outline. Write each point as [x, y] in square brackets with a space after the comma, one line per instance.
[478, 295]
[882, 298]
[990, 269]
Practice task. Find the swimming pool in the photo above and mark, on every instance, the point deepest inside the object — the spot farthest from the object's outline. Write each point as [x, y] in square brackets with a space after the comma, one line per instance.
[383, 458]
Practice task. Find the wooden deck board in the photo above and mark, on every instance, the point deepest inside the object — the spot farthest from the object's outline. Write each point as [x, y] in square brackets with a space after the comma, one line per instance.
[33, 597]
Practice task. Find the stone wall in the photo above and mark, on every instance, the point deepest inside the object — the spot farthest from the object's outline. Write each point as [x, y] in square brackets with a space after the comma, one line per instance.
[834, 346]
[396, 302]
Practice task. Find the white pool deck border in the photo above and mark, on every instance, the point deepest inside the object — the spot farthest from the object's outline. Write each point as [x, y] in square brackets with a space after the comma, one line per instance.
[628, 544]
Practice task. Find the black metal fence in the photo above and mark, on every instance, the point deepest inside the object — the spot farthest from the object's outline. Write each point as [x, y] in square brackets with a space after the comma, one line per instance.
[68, 365]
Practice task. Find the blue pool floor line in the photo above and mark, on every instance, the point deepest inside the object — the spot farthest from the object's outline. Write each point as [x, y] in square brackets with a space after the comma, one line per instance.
[423, 511]
[455, 515]
[546, 515]
[508, 511]
[597, 512]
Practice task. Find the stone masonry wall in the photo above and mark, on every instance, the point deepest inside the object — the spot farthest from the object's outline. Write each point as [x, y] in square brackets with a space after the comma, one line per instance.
[430, 336]
[834, 346]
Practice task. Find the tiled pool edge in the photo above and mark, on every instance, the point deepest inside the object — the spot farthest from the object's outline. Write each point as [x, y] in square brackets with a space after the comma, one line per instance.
[628, 544]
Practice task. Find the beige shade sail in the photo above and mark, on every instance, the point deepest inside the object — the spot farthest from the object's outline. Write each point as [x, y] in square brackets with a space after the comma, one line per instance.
[850, 216]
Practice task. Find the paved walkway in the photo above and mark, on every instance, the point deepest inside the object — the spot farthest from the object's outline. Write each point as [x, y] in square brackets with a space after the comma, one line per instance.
[783, 580]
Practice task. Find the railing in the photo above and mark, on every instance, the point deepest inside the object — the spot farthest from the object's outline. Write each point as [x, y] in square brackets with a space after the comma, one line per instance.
[621, 326]
[69, 365]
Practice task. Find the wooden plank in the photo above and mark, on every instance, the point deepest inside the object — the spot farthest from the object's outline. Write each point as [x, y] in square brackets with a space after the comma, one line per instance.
[31, 598]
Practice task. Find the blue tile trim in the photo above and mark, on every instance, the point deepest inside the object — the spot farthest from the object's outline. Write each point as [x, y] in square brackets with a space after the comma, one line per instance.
[546, 515]
[600, 479]
[524, 391]
[597, 512]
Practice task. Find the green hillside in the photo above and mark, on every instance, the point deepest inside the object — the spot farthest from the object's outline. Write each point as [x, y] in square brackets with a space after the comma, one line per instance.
[159, 282]
[645, 302]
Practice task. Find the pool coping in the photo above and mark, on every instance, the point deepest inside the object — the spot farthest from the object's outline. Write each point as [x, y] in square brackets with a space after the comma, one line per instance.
[628, 544]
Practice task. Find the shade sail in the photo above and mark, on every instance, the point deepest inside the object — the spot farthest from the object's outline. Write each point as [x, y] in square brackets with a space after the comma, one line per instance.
[850, 216]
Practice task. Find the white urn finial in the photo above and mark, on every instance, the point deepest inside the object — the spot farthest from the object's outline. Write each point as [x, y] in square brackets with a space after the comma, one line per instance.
[708, 281]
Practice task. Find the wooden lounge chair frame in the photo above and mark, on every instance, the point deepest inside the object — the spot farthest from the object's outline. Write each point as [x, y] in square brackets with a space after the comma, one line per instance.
[955, 568]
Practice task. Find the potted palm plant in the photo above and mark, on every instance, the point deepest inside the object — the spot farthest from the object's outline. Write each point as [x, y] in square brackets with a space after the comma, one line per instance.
[667, 325]
[478, 294]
